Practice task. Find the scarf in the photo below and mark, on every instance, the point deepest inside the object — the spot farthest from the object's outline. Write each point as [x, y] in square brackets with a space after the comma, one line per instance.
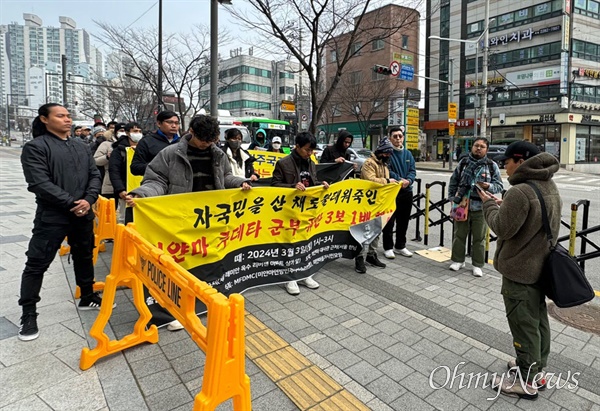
[470, 171]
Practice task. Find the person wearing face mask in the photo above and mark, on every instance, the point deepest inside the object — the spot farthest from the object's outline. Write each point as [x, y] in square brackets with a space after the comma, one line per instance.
[239, 159]
[117, 165]
[102, 156]
[275, 146]
[375, 169]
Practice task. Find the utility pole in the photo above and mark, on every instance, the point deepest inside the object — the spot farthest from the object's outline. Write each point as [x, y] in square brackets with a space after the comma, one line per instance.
[7, 120]
[64, 79]
[214, 58]
[451, 100]
[484, 81]
[159, 79]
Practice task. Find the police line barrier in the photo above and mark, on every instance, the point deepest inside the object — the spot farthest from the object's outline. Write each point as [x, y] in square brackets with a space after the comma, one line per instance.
[223, 340]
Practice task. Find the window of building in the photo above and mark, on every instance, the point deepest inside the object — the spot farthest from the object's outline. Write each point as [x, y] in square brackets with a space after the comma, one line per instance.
[285, 74]
[587, 144]
[355, 48]
[377, 44]
[333, 56]
[404, 41]
[355, 77]
[286, 90]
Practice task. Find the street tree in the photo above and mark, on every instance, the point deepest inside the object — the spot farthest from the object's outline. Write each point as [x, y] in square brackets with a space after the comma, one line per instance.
[307, 30]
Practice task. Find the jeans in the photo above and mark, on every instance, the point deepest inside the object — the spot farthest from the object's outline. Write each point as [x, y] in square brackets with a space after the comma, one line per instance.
[475, 222]
[401, 217]
[45, 242]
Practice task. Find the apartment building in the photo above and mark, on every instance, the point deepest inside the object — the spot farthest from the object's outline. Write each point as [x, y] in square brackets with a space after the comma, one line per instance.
[366, 102]
[543, 75]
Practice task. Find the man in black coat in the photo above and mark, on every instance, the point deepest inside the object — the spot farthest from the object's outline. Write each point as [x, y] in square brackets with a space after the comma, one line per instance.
[62, 174]
[153, 143]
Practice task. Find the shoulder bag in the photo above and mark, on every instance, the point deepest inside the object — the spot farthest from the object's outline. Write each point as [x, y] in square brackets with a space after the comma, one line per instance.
[562, 280]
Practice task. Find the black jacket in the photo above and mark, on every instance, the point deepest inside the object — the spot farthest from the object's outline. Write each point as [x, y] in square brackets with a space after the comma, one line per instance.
[59, 173]
[287, 171]
[117, 165]
[331, 153]
[146, 150]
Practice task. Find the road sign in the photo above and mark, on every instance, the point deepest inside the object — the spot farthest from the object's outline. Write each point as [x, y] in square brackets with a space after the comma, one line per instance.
[395, 68]
[452, 112]
[407, 72]
[451, 129]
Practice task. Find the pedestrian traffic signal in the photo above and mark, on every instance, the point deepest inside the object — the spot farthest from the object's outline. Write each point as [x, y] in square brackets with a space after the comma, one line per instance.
[382, 70]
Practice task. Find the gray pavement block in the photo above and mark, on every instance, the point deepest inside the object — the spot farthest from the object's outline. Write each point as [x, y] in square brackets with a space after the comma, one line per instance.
[409, 401]
[32, 402]
[325, 346]
[402, 352]
[428, 348]
[363, 373]
[364, 330]
[359, 391]
[66, 396]
[355, 343]
[377, 405]
[423, 364]
[338, 375]
[187, 362]
[455, 345]
[568, 399]
[145, 367]
[382, 340]
[321, 323]
[169, 398]
[338, 332]
[179, 348]
[396, 369]
[374, 355]
[444, 399]
[386, 389]
[479, 357]
[274, 400]
[309, 313]
[571, 342]
[7, 329]
[318, 360]
[408, 337]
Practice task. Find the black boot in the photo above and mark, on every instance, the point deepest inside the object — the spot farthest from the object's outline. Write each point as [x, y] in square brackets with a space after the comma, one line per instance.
[359, 265]
[374, 261]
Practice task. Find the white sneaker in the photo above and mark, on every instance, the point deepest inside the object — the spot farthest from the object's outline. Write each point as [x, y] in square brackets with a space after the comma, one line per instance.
[404, 252]
[389, 254]
[477, 272]
[456, 266]
[292, 288]
[310, 283]
[174, 326]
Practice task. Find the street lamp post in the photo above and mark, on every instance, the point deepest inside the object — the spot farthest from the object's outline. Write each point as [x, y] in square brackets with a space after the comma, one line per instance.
[214, 55]
[8, 113]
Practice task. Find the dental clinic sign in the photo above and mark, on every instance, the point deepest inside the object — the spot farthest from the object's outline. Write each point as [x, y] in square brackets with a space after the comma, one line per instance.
[539, 77]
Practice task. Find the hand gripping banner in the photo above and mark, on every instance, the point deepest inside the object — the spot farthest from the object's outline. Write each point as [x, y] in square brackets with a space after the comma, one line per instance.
[235, 240]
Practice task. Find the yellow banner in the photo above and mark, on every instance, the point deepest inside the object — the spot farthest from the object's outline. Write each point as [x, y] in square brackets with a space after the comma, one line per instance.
[133, 182]
[265, 162]
[236, 239]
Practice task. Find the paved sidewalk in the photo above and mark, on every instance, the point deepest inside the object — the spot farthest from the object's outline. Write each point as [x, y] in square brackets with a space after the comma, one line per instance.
[379, 335]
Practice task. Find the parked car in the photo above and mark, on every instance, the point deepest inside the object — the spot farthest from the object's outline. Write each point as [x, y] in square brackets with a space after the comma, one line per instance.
[494, 151]
[359, 156]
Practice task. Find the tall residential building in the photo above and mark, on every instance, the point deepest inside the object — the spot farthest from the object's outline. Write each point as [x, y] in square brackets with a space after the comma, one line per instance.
[543, 75]
[366, 102]
[250, 86]
[25, 49]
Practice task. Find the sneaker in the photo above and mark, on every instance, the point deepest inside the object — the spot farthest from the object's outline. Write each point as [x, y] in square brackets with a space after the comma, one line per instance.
[359, 265]
[512, 386]
[477, 272]
[292, 288]
[374, 261]
[540, 378]
[403, 252]
[92, 303]
[174, 326]
[456, 266]
[389, 254]
[310, 283]
[29, 329]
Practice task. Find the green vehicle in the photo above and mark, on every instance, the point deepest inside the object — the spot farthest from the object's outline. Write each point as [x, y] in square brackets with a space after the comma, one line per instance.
[273, 128]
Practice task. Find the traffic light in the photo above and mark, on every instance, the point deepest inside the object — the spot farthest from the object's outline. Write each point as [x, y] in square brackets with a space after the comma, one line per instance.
[382, 70]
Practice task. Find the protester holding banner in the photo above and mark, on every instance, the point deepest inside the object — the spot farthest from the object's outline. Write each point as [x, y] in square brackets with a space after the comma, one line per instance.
[153, 143]
[338, 152]
[402, 167]
[239, 159]
[275, 146]
[62, 174]
[117, 167]
[298, 171]
[375, 169]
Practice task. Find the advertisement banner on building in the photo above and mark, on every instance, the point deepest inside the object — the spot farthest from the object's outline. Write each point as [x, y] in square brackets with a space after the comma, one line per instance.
[540, 76]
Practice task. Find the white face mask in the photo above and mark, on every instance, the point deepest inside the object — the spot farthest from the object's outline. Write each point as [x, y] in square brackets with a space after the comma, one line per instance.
[277, 146]
[121, 134]
[135, 137]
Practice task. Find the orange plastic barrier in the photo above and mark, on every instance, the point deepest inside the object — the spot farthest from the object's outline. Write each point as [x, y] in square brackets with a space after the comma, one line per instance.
[140, 263]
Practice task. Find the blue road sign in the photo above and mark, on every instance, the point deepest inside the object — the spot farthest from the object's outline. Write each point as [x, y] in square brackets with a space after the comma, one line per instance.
[407, 72]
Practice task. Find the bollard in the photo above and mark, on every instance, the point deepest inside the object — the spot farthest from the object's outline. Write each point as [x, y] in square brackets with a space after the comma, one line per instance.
[426, 222]
[417, 205]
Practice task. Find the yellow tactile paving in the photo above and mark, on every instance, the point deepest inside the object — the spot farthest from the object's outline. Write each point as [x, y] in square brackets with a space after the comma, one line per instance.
[282, 363]
[263, 342]
[308, 386]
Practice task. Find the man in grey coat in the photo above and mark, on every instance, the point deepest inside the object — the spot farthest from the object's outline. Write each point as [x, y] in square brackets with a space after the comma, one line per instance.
[520, 254]
[194, 164]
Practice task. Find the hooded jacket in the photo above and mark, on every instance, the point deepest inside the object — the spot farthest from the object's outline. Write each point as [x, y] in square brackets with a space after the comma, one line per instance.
[117, 165]
[147, 149]
[374, 170]
[171, 172]
[522, 245]
[59, 172]
[101, 156]
[255, 142]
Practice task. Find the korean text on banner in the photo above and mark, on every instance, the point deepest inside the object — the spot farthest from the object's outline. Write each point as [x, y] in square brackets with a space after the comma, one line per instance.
[235, 239]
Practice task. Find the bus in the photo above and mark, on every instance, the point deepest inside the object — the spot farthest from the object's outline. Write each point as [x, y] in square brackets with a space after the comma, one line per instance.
[272, 127]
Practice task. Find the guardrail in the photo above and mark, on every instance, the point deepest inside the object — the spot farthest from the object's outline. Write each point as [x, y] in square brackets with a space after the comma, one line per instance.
[139, 263]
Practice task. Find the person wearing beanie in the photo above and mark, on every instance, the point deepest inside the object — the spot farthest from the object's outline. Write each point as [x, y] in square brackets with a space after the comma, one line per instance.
[402, 168]
[375, 169]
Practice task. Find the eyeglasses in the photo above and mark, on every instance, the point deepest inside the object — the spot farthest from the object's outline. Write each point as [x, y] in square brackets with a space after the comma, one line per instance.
[396, 136]
[171, 122]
